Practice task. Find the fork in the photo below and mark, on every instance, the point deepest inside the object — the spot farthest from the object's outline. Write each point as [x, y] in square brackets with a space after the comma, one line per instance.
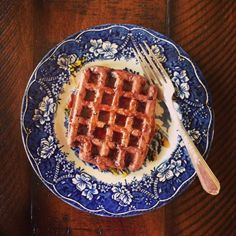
[156, 75]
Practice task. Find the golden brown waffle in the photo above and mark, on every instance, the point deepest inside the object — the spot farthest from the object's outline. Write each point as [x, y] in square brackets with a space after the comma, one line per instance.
[112, 118]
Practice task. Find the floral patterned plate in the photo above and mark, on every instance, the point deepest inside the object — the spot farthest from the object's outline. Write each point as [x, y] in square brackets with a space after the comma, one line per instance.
[44, 120]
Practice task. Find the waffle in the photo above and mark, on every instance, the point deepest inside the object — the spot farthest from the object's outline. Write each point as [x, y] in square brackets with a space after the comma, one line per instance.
[112, 118]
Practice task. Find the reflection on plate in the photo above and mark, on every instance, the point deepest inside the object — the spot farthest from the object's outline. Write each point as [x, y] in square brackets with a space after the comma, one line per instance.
[44, 120]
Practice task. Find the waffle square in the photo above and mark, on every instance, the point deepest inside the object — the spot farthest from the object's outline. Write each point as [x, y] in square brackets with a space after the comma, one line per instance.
[112, 118]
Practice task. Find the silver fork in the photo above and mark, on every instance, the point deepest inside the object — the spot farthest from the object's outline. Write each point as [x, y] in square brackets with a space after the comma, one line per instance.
[156, 74]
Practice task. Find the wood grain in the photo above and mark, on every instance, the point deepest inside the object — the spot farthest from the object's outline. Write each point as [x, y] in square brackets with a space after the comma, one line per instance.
[16, 66]
[28, 29]
[206, 30]
[56, 20]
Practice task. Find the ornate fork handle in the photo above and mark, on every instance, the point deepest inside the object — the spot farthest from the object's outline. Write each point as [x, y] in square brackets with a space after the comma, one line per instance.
[208, 180]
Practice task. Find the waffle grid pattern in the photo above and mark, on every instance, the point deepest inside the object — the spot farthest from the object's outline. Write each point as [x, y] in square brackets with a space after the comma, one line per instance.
[112, 120]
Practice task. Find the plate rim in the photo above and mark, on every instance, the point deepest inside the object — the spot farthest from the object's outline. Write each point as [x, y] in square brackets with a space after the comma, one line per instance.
[183, 186]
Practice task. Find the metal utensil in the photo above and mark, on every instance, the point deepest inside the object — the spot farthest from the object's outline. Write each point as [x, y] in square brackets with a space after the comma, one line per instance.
[156, 74]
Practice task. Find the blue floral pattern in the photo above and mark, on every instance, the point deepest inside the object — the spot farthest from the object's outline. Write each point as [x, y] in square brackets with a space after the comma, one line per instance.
[46, 107]
[74, 185]
[46, 148]
[105, 49]
[122, 195]
[180, 80]
[64, 60]
[84, 185]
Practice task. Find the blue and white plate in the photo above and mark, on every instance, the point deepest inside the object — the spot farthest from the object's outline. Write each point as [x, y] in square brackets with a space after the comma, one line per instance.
[44, 120]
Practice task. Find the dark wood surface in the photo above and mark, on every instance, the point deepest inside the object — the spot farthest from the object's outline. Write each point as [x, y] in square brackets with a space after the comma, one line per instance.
[28, 29]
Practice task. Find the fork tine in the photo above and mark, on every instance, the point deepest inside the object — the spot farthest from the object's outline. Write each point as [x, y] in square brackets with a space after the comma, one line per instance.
[148, 69]
[143, 64]
[155, 69]
[144, 69]
[163, 71]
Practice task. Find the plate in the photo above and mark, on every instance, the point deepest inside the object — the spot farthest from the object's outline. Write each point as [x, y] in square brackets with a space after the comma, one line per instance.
[44, 121]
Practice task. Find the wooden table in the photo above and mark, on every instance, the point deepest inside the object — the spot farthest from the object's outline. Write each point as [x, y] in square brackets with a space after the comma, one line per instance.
[28, 29]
